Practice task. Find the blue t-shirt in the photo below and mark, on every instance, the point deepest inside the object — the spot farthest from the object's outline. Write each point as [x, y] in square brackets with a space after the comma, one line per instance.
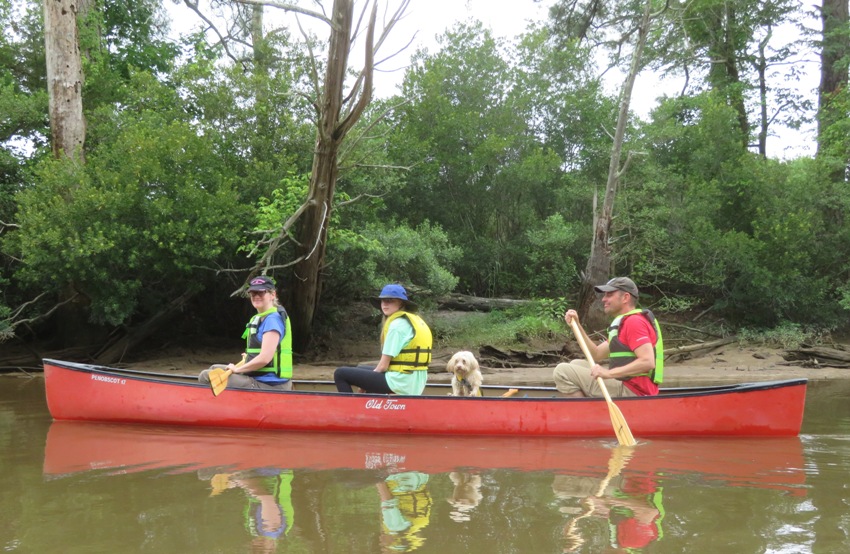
[272, 322]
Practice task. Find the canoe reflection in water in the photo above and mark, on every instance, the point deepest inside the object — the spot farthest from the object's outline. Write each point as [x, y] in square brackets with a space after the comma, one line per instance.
[269, 513]
[591, 479]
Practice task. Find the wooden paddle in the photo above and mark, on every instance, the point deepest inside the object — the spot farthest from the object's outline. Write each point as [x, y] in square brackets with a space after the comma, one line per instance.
[218, 378]
[621, 428]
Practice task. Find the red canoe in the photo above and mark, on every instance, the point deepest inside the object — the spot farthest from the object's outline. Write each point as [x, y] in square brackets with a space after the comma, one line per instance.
[77, 447]
[96, 393]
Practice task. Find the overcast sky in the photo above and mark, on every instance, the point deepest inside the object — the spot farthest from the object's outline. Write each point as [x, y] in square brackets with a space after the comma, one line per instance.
[506, 18]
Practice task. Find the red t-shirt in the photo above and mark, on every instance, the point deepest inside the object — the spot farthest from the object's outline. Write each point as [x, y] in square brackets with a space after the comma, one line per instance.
[635, 331]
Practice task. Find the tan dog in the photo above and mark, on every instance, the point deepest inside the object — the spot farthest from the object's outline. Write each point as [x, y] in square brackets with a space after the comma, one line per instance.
[467, 377]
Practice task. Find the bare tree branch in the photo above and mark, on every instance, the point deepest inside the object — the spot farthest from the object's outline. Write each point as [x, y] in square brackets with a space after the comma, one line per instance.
[314, 71]
[223, 39]
[365, 96]
[290, 8]
[352, 144]
[12, 319]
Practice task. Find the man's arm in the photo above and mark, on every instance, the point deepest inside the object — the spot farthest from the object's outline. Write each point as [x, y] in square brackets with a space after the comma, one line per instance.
[643, 363]
[597, 351]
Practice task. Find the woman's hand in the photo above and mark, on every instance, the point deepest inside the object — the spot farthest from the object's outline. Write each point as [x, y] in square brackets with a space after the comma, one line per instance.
[570, 316]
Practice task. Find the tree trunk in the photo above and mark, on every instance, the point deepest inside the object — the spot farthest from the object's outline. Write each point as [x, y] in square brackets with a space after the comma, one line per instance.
[724, 74]
[67, 133]
[761, 70]
[306, 286]
[833, 78]
[599, 264]
[64, 78]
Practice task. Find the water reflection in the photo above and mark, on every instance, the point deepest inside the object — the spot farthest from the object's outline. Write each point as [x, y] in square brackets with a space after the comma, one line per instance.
[405, 510]
[631, 504]
[269, 513]
[407, 493]
[466, 495]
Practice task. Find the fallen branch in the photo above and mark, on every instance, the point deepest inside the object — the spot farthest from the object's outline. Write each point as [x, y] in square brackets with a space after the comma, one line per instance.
[466, 303]
[680, 352]
[820, 355]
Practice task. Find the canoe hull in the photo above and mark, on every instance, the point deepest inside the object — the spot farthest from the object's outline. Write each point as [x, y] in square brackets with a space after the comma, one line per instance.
[94, 393]
[74, 447]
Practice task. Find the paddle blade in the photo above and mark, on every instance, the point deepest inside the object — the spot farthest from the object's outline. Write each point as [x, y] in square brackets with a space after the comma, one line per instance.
[220, 482]
[621, 428]
[510, 392]
[218, 380]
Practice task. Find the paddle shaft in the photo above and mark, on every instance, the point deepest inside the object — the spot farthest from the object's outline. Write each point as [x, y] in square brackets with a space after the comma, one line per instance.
[621, 428]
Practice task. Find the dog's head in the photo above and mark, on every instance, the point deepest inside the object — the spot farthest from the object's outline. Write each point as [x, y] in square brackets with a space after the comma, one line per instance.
[462, 363]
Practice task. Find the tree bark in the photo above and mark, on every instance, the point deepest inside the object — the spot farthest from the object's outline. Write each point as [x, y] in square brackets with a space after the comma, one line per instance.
[333, 125]
[64, 78]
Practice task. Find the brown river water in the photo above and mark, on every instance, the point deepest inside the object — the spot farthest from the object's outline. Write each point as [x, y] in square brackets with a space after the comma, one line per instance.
[73, 487]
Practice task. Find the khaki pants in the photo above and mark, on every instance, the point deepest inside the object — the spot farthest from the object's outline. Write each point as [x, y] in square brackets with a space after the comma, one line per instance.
[242, 381]
[574, 376]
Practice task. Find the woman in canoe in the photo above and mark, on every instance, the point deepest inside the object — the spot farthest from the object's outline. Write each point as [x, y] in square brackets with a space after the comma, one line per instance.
[268, 350]
[405, 350]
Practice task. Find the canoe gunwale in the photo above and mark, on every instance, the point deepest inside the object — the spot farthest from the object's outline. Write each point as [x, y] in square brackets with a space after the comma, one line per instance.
[182, 379]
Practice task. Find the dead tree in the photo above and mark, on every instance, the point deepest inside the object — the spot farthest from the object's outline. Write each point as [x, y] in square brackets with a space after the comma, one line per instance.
[337, 110]
[64, 78]
[598, 267]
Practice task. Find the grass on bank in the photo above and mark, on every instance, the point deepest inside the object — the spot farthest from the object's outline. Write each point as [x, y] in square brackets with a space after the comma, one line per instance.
[541, 322]
[513, 328]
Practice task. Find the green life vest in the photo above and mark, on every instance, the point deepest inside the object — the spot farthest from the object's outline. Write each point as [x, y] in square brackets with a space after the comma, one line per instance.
[620, 354]
[281, 362]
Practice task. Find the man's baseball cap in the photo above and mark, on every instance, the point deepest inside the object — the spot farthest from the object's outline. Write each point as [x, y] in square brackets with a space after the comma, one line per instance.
[619, 283]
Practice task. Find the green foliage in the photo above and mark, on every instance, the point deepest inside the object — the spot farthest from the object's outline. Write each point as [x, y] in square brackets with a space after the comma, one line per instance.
[784, 335]
[552, 308]
[550, 271]
[131, 227]
[359, 263]
[194, 160]
[757, 237]
[674, 304]
[506, 328]
[487, 147]
[272, 213]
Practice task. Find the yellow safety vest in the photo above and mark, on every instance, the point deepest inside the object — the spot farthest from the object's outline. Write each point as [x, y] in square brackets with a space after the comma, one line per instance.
[416, 354]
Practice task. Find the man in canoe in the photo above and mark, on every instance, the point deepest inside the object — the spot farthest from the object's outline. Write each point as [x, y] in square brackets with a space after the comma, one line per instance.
[634, 347]
[406, 343]
[268, 351]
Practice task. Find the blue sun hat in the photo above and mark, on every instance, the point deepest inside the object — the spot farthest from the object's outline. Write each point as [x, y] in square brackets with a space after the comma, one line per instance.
[395, 291]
